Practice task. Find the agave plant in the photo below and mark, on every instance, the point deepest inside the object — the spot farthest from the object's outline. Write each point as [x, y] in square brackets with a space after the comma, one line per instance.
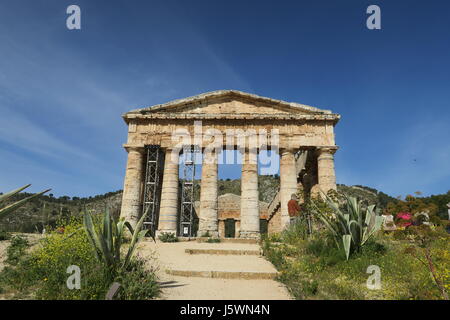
[352, 225]
[108, 240]
[10, 208]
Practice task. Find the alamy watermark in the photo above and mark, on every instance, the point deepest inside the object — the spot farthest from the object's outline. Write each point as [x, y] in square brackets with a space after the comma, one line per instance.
[74, 280]
[374, 20]
[73, 21]
[374, 280]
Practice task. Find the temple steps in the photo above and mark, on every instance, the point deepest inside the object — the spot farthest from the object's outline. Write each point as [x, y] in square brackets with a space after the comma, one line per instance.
[238, 252]
[204, 270]
[229, 240]
[244, 275]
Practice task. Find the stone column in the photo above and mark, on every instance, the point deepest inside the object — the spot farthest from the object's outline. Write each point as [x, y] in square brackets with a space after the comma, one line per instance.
[222, 228]
[288, 183]
[168, 211]
[237, 228]
[208, 215]
[132, 189]
[249, 196]
[325, 169]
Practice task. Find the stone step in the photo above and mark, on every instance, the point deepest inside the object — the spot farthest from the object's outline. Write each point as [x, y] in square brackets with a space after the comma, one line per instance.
[230, 240]
[245, 275]
[238, 252]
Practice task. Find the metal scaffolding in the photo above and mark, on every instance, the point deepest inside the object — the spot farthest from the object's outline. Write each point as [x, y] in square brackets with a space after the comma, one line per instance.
[154, 167]
[187, 211]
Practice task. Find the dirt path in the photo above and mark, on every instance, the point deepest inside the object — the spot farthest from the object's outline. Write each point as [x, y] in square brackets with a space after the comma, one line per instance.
[4, 244]
[226, 274]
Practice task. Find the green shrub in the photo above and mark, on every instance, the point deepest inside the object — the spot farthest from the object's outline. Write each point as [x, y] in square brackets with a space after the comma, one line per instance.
[137, 283]
[4, 235]
[295, 231]
[275, 237]
[167, 237]
[16, 249]
[276, 257]
[43, 272]
[325, 251]
[437, 221]
[213, 240]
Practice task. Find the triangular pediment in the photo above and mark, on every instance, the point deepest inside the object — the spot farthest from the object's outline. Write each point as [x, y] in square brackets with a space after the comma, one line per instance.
[229, 102]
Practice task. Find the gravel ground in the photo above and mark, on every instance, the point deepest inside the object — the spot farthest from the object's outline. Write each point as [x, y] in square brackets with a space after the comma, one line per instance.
[32, 239]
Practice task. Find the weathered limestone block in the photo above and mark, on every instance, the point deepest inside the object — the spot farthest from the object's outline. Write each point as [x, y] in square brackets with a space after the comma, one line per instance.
[208, 214]
[288, 183]
[325, 169]
[249, 198]
[132, 189]
[237, 230]
[169, 194]
[274, 225]
[222, 228]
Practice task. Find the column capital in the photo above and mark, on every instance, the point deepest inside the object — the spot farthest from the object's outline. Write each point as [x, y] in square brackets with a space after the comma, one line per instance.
[132, 147]
[172, 154]
[287, 150]
[327, 150]
[170, 149]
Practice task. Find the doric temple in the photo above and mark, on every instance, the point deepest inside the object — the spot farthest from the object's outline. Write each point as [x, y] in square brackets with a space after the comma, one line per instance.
[165, 142]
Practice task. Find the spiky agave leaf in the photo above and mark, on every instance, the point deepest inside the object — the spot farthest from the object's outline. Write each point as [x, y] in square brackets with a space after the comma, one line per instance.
[7, 195]
[10, 208]
[119, 234]
[346, 240]
[107, 230]
[107, 255]
[376, 227]
[354, 222]
[137, 235]
[92, 236]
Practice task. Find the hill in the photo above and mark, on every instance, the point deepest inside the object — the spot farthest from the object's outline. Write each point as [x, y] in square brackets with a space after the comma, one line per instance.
[46, 209]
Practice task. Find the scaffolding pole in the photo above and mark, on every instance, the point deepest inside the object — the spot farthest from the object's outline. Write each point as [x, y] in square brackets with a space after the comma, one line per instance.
[187, 211]
[154, 167]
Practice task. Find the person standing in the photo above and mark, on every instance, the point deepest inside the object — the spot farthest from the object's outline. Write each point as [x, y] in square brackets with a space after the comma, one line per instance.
[448, 206]
[293, 208]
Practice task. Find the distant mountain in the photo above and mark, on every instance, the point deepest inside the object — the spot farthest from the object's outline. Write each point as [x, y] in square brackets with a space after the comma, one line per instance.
[372, 195]
[46, 210]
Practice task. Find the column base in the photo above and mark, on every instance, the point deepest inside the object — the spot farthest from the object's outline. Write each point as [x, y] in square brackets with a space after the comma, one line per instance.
[210, 233]
[249, 235]
[159, 232]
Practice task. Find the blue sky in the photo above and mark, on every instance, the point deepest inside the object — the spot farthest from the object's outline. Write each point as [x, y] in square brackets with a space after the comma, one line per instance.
[62, 92]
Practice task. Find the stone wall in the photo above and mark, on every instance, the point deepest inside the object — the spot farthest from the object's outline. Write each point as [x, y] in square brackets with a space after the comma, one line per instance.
[229, 207]
[275, 222]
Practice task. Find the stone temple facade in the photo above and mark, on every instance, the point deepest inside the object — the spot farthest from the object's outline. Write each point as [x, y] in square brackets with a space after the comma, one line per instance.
[302, 137]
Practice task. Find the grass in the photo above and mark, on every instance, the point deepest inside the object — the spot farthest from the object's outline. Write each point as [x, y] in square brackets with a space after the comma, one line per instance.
[313, 268]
